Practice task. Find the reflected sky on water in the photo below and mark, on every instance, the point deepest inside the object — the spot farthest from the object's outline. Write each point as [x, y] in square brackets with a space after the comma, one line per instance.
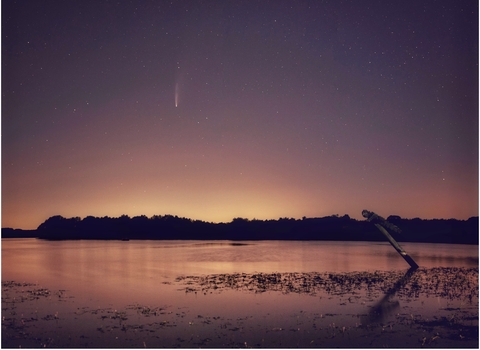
[259, 289]
[137, 267]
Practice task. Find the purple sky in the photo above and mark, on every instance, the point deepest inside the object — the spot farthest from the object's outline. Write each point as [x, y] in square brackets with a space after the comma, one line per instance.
[284, 109]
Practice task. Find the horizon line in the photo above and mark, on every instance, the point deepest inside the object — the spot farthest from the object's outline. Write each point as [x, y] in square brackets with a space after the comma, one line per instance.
[228, 222]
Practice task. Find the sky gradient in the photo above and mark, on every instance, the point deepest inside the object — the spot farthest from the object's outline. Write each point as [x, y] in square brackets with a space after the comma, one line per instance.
[220, 109]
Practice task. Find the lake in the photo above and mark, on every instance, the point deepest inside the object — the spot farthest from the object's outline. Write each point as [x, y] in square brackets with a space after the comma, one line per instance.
[227, 294]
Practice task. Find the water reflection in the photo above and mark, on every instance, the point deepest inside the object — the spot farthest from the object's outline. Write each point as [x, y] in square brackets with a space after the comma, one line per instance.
[229, 294]
[385, 307]
[102, 268]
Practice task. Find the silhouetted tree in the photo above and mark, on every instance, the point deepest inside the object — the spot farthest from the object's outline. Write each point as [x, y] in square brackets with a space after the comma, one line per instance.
[331, 227]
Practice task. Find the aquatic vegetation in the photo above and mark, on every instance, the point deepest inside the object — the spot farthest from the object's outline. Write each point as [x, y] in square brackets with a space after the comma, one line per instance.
[358, 309]
[450, 283]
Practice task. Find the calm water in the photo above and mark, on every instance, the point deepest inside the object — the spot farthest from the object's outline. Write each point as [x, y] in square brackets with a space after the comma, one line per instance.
[140, 268]
[100, 277]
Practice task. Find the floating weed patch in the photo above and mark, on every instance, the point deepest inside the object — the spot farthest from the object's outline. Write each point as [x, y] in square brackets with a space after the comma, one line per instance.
[449, 283]
[23, 294]
[147, 310]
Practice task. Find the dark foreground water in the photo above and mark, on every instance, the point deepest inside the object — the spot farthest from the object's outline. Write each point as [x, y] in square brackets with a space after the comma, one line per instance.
[237, 294]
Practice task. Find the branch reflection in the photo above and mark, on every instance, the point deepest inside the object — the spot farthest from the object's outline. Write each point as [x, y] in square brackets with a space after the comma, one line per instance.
[384, 307]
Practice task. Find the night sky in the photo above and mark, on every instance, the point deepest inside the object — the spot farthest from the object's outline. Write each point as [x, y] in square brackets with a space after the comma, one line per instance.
[213, 110]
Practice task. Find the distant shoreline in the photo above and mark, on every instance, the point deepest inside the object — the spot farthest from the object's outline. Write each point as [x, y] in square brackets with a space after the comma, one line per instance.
[168, 227]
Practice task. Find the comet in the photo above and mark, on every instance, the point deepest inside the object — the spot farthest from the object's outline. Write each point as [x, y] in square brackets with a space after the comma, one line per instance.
[176, 94]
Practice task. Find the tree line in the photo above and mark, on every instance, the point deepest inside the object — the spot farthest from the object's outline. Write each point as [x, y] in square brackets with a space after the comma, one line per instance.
[169, 227]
